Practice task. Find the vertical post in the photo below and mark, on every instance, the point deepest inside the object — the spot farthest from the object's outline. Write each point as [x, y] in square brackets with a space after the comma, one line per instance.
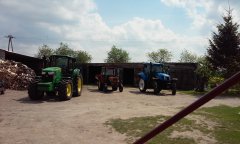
[10, 37]
[195, 105]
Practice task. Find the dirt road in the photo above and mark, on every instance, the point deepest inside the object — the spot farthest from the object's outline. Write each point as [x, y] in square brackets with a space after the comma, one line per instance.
[81, 120]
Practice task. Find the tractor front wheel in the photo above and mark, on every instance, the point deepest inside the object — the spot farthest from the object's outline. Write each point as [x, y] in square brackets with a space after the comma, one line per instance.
[120, 87]
[100, 85]
[142, 85]
[33, 93]
[105, 88]
[65, 90]
[156, 87]
[78, 86]
[174, 89]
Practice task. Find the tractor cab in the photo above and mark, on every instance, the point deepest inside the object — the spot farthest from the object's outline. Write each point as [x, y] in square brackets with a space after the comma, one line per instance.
[156, 70]
[66, 63]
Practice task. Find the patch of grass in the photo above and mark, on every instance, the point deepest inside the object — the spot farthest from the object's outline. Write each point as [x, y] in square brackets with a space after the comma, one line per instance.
[137, 127]
[192, 92]
[229, 93]
[228, 118]
[227, 130]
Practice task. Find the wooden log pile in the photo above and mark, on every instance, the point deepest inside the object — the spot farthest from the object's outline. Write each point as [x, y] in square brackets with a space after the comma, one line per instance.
[15, 75]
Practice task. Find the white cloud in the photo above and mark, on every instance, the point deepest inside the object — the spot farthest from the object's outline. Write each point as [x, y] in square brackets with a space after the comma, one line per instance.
[205, 13]
[78, 23]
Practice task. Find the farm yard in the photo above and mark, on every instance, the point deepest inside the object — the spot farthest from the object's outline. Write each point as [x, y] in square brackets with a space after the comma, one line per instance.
[103, 118]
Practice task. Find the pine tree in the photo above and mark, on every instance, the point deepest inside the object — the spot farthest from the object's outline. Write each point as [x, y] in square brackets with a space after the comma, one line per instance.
[224, 49]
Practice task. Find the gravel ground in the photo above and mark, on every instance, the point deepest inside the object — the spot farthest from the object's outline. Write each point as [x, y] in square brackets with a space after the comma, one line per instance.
[81, 120]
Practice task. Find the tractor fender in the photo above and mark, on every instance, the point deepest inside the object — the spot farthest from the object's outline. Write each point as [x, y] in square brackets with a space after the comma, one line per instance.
[142, 76]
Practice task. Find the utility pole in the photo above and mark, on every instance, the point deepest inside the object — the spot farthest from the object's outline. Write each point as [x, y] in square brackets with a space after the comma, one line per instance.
[10, 37]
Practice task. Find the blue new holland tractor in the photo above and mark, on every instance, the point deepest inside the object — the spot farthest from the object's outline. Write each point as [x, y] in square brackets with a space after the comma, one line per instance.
[155, 76]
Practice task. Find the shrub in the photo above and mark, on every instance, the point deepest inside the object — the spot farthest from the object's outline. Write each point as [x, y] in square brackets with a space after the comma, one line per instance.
[215, 81]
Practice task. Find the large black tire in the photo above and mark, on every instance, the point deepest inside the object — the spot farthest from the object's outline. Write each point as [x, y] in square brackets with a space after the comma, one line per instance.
[65, 90]
[33, 93]
[156, 88]
[100, 86]
[105, 88]
[174, 88]
[78, 84]
[142, 85]
[120, 87]
[114, 88]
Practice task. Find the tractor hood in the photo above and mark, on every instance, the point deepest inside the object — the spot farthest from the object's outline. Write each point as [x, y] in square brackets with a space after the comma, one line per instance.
[162, 76]
[52, 74]
[52, 69]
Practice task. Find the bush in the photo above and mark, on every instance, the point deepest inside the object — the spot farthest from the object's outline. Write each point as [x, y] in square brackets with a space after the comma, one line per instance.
[215, 81]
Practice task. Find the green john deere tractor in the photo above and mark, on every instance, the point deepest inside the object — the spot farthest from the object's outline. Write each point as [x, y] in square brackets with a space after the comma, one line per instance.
[60, 79]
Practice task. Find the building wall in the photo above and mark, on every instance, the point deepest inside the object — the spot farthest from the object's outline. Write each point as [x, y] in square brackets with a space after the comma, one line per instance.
[184, 72]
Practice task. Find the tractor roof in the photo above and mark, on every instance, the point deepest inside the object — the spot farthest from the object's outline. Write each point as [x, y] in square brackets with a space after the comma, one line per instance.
[60, 56]
[157, 64]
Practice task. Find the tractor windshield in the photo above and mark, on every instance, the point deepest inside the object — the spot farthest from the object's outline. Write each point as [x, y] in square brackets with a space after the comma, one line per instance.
[62, 62]
[109, 71]
[157, 68]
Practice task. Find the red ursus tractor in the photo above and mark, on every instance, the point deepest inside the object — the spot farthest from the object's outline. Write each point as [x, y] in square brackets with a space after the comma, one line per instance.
[109, 77]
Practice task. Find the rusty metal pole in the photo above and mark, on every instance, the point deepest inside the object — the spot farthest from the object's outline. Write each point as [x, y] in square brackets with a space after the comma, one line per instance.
[195, 105]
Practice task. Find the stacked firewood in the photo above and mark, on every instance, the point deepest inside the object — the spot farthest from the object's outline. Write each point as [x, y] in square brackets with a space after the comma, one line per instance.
[15, 75]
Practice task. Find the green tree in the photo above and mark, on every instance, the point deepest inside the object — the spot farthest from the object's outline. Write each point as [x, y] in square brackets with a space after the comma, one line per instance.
[203, 72]
[162, 55]
[224, 49]
[44, 50]
[83, 57]
[188, 57]
[117, 55]
[64, 50]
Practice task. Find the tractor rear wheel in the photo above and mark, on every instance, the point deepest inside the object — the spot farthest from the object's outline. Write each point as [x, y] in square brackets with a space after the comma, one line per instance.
[65, 90]
[33, 93]
[142, 85]
[78, 83]
[156, 87]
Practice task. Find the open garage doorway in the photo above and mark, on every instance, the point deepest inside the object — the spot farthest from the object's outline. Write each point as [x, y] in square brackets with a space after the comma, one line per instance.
[93, 71]
[128, 76]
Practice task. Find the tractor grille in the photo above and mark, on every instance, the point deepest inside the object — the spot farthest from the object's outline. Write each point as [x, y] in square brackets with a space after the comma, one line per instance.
[167, 78]
[113, 79]
[47, 78]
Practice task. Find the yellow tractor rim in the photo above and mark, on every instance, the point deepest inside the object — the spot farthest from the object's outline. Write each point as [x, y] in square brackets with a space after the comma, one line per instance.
[79, 85]
[69, 89]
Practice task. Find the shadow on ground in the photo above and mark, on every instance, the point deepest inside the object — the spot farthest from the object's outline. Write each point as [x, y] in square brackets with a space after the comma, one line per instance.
[27, 100]
[94, 90]
[150, 93]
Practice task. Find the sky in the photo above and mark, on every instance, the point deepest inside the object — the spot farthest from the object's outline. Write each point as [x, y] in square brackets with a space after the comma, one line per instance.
[137, 26]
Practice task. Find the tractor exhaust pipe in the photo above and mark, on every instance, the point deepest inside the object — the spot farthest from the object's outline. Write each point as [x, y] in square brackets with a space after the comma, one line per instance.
[195, 105]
